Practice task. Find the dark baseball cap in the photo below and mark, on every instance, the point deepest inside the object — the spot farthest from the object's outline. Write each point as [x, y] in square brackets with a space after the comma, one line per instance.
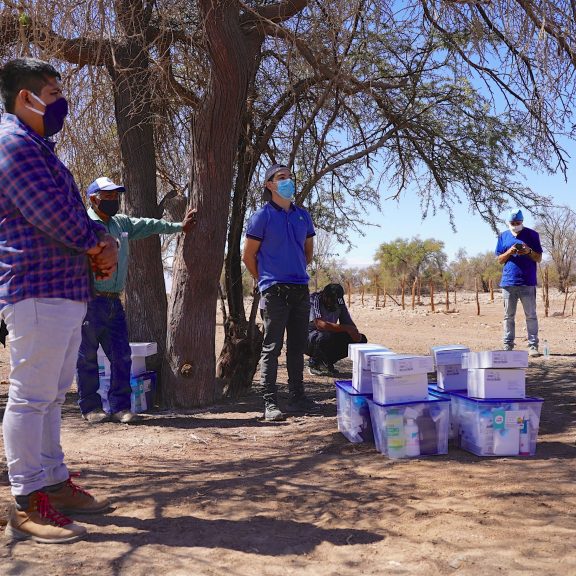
[334, 291]
[267, 195]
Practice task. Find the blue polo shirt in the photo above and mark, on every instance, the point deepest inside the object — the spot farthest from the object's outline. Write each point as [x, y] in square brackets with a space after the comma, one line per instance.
[281, 257]
[519, 270]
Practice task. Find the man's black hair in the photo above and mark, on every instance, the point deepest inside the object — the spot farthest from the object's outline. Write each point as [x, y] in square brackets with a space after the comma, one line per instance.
[24, 74]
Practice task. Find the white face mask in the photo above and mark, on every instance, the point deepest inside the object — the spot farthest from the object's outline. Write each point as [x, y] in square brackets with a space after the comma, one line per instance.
[516, 229]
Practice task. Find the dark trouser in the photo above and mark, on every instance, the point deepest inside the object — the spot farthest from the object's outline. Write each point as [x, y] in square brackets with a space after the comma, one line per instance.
[105, 324]
[284, 307]
[329, 347]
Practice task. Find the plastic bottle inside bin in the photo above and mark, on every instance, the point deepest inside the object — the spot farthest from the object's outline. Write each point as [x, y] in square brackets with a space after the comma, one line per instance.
[412, 438]
[525, 438]
[485, 440]
[427, 434]
[395, 440]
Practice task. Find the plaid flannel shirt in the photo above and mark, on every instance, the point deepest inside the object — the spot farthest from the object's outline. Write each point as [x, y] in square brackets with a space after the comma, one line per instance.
[44, 227]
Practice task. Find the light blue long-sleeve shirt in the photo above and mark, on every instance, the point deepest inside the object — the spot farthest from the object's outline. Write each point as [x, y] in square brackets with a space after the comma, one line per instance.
[125, 228]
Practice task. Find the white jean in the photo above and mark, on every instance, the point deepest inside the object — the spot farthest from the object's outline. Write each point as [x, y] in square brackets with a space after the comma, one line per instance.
[45, 336]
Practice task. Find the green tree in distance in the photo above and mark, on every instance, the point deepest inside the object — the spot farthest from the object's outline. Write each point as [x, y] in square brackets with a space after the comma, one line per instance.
[412, 258]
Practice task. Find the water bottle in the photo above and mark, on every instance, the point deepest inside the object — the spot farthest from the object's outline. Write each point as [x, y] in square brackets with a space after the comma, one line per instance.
[395, 434]
[525, 438]
[546, 349]
[412, 438]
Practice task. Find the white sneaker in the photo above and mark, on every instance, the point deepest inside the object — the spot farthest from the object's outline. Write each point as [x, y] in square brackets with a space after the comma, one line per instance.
[125, 417]
[533, 352]
[95, 417]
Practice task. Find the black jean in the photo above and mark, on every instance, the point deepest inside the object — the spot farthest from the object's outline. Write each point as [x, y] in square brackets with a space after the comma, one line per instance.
[284, 308]
[329, 347]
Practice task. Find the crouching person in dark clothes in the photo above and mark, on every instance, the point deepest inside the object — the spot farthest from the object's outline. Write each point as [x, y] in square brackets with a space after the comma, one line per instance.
[330, 331]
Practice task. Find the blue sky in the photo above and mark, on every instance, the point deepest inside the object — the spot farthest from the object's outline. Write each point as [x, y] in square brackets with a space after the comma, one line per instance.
[404, 220]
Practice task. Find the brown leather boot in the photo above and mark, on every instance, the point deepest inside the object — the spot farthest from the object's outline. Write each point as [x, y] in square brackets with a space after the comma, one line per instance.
[42, 523]
[71, 499]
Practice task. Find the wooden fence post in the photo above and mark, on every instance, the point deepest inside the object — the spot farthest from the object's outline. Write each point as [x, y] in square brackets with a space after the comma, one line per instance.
[491, 290]
[432, 296]
[477, 297]
[349, 285]
[413, 292]
[447, 296]
[377, 296]
[403, 290]
[419, 291]
[546, 297]
[565, 300]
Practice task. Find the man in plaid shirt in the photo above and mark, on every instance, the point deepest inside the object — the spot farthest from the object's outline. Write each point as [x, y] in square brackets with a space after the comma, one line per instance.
[47, 246]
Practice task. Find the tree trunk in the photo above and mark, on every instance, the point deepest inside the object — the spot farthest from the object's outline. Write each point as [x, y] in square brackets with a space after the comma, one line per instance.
[239, 357]
[189, 370]
[146, 304]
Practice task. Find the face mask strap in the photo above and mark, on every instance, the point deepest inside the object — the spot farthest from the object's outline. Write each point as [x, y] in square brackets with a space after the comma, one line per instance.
[37, 100]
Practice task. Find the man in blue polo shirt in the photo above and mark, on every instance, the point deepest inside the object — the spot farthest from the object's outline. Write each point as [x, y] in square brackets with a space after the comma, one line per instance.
[519, 250]
[279, 245]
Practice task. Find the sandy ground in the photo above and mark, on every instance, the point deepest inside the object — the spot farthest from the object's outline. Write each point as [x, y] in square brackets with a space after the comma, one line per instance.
[220, 492]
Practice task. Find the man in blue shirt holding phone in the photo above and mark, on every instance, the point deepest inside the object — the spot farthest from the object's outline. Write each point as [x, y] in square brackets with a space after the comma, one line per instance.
[519, 251]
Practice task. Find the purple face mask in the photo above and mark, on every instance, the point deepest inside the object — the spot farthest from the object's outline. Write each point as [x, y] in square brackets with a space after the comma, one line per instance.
[54, 114]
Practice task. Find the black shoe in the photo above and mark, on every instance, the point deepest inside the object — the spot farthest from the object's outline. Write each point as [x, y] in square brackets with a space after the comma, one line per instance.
[272, 413]
[332, 370]
[318, 368]
[301, 404]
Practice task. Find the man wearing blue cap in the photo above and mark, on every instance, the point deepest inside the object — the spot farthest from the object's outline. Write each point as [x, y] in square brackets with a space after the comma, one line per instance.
[519, 251]
[279, 245]
[105, 322]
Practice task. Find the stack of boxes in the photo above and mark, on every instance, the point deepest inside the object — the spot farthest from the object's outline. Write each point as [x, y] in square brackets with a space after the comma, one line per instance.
[479, 401]
[494, 417]
[352, 396]
[405, 420]
[143, 383]
[449, 371]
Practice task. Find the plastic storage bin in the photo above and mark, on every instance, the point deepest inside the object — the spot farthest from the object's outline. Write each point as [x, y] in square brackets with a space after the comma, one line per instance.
[411, 429]
[139, 351]
[496, 426]
[435, 390]
[142, 396]
[352, 412]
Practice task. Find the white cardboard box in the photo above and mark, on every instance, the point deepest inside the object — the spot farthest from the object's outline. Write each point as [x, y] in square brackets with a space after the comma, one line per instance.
[401, 364]
[139, 351]
[391, 389]
[362, 380]
[360, 353]
[449, 354]
[497, 383]
[452, 377]
[496, 359]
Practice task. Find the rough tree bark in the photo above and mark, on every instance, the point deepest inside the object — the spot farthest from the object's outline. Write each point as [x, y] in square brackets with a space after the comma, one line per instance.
[189, 370]
[146, 309]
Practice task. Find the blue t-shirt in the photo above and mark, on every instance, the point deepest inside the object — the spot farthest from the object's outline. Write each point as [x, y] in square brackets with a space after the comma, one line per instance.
[519, 270]
[281, 257]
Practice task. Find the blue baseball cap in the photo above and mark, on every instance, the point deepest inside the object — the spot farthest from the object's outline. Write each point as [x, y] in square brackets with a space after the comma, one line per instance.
[103, 183]
[516, 215]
